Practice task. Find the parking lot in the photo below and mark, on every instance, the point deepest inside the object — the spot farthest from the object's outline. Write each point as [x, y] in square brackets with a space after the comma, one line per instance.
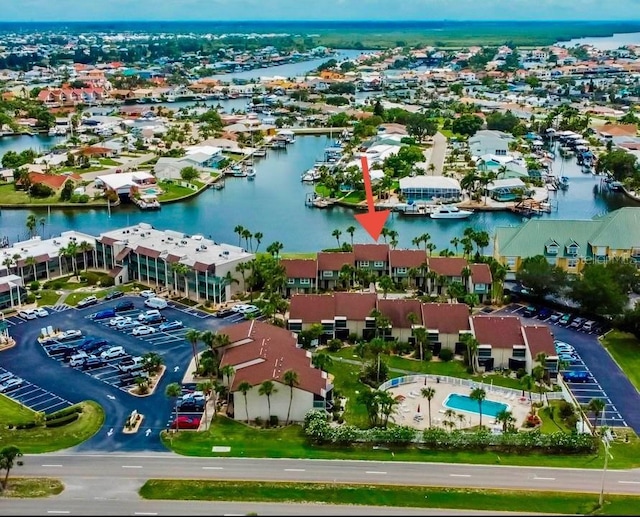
[605, 380]
[32, 396]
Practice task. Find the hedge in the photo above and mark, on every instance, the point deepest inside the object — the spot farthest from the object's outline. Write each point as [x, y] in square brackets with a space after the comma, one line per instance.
[59, 422]
[64, 412]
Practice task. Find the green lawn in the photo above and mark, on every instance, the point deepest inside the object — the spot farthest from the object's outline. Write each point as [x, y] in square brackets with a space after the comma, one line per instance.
[387, 495]
[109, 162]
[47, 297]
[13, 413]
[625, 349]
[21, 488]
[173, 191]
[42, 439]
[354, 197]
[552, 425]
[310, 255]
[10, 196]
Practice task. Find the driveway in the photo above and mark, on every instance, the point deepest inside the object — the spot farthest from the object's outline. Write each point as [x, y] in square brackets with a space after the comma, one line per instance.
[438, 152]
[29, 361]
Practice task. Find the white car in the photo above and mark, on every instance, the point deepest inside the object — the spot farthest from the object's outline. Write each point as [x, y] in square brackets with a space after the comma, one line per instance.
[42, 312]
[147, 293]
[111, 353]
[28, 314]
[143, 330]
[149, 314]
[125, 324]
[113, 322]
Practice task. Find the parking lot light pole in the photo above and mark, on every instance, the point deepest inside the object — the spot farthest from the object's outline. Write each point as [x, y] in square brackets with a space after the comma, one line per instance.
[606, 440]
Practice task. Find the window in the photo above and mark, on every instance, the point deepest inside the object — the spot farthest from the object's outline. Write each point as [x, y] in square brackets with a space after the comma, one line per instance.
[363, 263]
[573, 249]
[370, 323]
[327, 274]
[340, 323]
[295, 325]
[552, 249]
[291, 281]
[305, 281]
[378, 263]
[519, 351]
[511, 262]
[484, 351]
[327, 327]
[572, 263]
[401, 270]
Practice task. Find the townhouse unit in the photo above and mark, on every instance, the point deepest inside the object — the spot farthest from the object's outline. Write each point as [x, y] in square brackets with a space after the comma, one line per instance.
[372, 257]
[446, 324]
[570, 244]
[329, 266]
[302, 275]
[260, 352]
[446, 270]
[408, 265]
[198, 268]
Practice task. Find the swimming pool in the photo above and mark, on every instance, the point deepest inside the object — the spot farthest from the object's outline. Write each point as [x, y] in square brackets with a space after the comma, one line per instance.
[465, 403]
[154, 191]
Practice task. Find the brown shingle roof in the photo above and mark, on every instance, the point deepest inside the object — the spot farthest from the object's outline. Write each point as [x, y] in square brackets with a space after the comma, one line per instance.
[312, 308]
[333, 261]
[371, 252]
[481, 274]
[266, 353]
[354, 306]
[397, 311]
[447, 318]
[407, 258]
[539, 339]
[498, 331]
[447, 266]
[123, 254]
[300, 268]
[147, 252]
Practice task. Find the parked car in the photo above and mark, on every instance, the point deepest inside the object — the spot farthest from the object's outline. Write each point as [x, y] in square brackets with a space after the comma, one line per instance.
[68, 335]
[567, 357]
[93, 345]
[147, 293]
[242, 308]
[194, 396]
[544, 313]
[104, 314]
[156, 303]
[224, 313]
[125, 324]
[78, 359]
[185, 422]
[41, 312]
[92, 362]
[5, 376]
[190, 405]
[86, 302]
[555, 317]
[126, 305]
[131, 363]
[577, 322]
[112, 295]
[565, 349]
[28, 314]
[114, 321]
[530, 311]
[113, 352]
[145, 314]
[61, 348]
[171, 325]
[576, 376]
[13, 383]
[565, 319]
[143, 330]
[589, 326]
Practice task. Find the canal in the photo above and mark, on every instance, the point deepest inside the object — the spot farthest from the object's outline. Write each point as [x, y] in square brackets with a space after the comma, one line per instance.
[274, 205]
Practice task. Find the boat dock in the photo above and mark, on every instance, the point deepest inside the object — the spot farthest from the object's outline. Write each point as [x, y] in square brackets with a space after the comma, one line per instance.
[530, 207]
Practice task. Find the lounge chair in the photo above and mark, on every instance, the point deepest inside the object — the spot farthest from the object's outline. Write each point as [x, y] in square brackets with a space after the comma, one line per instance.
[44, 332]
[50, 330]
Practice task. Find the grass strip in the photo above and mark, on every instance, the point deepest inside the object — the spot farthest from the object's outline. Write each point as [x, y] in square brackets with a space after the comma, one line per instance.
[625, 349]
[23, 488]
[388, 495]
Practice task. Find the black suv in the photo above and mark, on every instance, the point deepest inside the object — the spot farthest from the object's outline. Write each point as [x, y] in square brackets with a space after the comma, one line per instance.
[112, 295]
[124, 306]
[223, 313]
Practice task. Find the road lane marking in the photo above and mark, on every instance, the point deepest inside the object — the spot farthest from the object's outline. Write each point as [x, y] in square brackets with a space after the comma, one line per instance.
[374, 472]
[294, 470]
[58, 511]
[460, 475]
[131, 466]
[52, 465]
[145, 513]
[212, 468]
[629, 482]
[536, 478]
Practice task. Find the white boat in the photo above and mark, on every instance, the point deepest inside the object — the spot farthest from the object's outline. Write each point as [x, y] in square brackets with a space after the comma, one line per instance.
[311, 175]
[251, 174]
[449, 212]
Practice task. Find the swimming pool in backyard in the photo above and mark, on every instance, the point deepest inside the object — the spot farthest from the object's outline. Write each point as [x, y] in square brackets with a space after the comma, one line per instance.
[466, 403]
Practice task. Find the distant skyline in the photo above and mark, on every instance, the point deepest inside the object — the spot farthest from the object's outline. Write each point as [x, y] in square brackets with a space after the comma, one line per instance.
[318, 10]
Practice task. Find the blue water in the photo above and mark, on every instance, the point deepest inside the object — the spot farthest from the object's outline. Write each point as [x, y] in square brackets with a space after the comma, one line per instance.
[464, 403]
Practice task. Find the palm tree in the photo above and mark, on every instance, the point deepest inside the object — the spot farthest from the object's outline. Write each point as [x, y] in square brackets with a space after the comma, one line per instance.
[173, 391]
[8, 456]
[472, 345]
[193, 336]
[267, 388]
[386, 284]
[428, 393]
[239, 229]
[527, 384]
[455, 242]
[275, 248]
[258, 237]
[450, 415]
[71, 251]
[42, 221]
[85, 247]
[227, 371]
[242, 268]
[31, 261]
[180, 269]
[337, 233]
[420, 333]
[291, 379]
[351, 230]
[244, 387]
[506, 418]
[461, 419]
[322, 361]
[247, 236]
[596, 406]
[478, 394]
[31, 224]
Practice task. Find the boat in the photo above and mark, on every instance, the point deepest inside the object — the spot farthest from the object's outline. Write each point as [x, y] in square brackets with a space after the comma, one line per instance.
[251, 174]
[449, 212]
[563, 182]
[311, 175]
[260, 153]
[616, 186]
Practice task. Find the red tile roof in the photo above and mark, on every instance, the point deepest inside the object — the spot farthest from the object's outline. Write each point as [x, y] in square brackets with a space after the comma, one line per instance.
[55, 181]
[333, 261]
[300, 268]
[398, 310]
[447, 318]
[354, 306]
[371, 252]
[312, 308]
[498, 331]
[264, 352]
[447, 266]
[481, 274]
[539, 339]
[407, 258]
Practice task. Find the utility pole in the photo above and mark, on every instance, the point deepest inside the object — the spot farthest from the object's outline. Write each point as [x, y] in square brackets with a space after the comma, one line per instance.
[607, 438]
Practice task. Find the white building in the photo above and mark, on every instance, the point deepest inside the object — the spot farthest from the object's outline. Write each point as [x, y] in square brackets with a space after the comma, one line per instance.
[430, 188]
[122, 182]
[489, 142]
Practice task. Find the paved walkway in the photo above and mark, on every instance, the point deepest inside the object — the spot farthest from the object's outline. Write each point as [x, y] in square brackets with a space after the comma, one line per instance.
[437, 155]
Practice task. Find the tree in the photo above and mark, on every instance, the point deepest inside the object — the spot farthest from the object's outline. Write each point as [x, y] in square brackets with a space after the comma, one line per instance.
[337, 233]
[351, 230]
[71, 251]
[422, 338]
[386, 284]
[472, 345]
[31, 224]
[540, 277]
[8, 457]
[596, 406]
[258, 237]
[189, 173]
[528, 382]
[239, 229]
[467, 124]
[244, 388]
[322, 361]
[506, 418]
[267, 388]
[180, 270]
[428, 393]
[31, 261]
[291, 379]
[599, 290]
[84, 248]
[228, 370]
[174, 391]
[193, 336]
[478, 394]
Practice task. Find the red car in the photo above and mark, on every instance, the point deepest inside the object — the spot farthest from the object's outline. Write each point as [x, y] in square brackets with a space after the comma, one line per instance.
[185, 422]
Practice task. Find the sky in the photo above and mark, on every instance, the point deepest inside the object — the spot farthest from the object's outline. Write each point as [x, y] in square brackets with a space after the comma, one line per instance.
[112, 10]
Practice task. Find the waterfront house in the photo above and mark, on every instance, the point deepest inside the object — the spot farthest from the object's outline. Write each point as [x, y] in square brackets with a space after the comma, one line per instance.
[489, 142]
[188, 265]
[329, 266]
[429, 189]
[122, 183]
[260, 352]
[446, 323]
[372, 257]
[570, 244]
[480, 281]
[443, 271]
[203, 156]
[505, 190]
[301, 275]
[409, 266]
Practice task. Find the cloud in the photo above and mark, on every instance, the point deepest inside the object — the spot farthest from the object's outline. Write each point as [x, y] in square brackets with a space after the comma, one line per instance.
[68, 10]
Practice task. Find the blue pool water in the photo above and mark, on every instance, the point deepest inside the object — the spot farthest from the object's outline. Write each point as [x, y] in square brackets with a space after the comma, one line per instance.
[464, 403]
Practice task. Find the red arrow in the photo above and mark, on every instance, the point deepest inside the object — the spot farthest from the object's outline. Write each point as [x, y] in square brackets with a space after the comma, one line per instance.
[372, 221]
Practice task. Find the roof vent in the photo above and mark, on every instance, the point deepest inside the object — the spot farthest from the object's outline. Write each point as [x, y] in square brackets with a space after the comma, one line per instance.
[203, 247]
[183, 242]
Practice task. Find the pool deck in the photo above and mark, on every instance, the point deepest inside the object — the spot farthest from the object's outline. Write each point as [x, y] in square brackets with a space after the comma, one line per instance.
[414, 409]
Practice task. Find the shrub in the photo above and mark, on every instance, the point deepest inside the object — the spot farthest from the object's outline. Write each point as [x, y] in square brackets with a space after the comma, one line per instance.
[59, 422]
[334, 345]
[273, 420]
[520, 373]
[258, 421]
[31, 298]
[34, 285]
[26, 425]
[353, 338]
[446, 354]
[64, 412]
